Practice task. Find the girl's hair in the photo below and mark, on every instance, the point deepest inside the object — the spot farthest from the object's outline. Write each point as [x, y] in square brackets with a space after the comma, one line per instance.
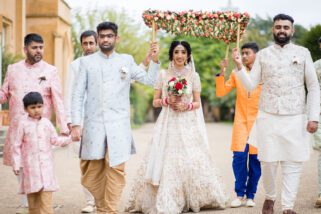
[32, 98]
[185, 44]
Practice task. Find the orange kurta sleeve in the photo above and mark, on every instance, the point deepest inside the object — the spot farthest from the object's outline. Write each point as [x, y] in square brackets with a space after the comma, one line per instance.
[222, 87]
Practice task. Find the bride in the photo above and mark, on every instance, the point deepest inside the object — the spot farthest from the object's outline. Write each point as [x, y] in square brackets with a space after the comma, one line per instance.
[177, 174]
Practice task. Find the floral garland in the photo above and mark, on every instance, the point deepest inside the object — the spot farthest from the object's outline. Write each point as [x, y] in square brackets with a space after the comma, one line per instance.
[216, 25]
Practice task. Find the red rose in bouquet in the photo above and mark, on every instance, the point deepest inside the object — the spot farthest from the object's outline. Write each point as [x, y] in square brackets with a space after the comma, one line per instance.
[177, 86]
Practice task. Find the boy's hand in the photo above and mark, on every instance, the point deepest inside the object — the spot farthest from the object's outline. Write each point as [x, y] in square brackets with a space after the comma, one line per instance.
[16, 172]
[223, 66]
[237, 58]
[76, 133]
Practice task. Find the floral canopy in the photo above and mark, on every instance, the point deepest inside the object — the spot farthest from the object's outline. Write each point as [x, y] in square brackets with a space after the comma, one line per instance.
[224, 26]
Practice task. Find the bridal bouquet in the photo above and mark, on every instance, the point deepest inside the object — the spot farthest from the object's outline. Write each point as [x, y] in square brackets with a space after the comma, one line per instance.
[177, 86]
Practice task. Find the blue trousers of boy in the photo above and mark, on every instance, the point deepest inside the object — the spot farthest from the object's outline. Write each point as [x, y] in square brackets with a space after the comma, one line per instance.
[247, 172]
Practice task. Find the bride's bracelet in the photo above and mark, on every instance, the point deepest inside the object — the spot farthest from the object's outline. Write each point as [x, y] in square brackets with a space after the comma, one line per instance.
[190, 106]
[164, 101]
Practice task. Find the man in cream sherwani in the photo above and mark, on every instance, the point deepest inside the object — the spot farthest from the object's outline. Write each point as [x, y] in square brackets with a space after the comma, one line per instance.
[317, 135]
[286, 115]
[107, 142]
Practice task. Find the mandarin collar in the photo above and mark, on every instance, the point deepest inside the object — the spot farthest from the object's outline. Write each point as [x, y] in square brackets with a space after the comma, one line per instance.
[112, 55]
[33, 119]
[36, 65]
[287, 46]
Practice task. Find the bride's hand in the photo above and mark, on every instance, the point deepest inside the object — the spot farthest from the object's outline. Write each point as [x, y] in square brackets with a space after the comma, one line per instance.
[182, 106]
[174, 102]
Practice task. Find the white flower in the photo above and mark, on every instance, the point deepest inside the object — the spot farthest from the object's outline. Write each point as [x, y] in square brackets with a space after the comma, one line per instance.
[180, 91]
[124, 69]
[171, 84]
[296, 61]
[123, 72]
[187, 90]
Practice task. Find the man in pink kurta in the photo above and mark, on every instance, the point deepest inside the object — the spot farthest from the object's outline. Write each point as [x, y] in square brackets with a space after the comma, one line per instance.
[31, 74]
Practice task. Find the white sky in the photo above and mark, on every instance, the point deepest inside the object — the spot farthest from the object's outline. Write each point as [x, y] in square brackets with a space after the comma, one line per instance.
[304, 12]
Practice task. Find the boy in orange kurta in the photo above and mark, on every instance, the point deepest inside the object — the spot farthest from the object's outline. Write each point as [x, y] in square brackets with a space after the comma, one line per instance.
[246, 166]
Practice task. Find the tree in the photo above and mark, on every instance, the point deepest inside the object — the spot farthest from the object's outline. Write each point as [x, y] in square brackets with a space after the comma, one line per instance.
[310, 41]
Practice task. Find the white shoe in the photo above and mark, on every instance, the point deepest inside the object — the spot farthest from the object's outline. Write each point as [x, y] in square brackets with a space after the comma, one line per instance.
[88, 209]
[237, 202]
[250, 203]
[22, 210]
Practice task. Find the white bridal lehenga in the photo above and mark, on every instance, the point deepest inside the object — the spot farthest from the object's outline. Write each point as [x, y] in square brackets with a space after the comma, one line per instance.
[177, 173]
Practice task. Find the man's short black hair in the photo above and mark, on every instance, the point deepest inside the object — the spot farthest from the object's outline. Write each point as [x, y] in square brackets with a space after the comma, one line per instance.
[88, 33]
[32, 98]
[251, 45]
[283, 16]
[107, 26]
[319, 40]
[32, 37]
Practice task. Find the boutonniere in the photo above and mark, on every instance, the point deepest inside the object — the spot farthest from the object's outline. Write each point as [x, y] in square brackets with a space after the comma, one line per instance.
[123, 72]
[42, 78]
[296, 61]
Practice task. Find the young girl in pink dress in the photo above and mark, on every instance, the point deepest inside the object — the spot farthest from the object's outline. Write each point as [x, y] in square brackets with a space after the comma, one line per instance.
[32, 155]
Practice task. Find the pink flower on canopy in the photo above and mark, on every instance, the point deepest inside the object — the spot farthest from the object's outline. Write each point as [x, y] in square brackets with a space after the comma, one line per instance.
[173, 79]
[237, 15]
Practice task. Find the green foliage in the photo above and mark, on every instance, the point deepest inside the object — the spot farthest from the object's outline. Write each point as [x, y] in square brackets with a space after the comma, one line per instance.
[259, 30]
[310, 41]
[8, 59]
[141, 98]
[133, 41]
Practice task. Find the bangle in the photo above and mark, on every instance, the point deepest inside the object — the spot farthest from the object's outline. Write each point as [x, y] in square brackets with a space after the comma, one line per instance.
[164, 101]
[190, 107]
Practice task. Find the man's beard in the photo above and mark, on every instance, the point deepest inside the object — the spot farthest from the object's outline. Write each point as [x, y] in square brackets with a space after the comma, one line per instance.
[106, 49]
[282, 40]
[34, 59]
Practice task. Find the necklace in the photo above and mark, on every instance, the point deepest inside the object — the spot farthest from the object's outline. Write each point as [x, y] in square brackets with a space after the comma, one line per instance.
[179, 72]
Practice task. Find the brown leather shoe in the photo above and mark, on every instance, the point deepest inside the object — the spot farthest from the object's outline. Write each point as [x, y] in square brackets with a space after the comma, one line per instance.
[289, 212]
[318, 202]
[268, 207]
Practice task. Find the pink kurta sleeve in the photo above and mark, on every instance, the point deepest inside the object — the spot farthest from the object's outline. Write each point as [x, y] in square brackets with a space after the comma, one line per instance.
[55, 139]
[58, 103]
[4, 91]
[16, 147]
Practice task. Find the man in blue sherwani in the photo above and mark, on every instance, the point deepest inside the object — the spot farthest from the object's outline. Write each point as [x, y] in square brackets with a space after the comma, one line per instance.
[107, 141]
